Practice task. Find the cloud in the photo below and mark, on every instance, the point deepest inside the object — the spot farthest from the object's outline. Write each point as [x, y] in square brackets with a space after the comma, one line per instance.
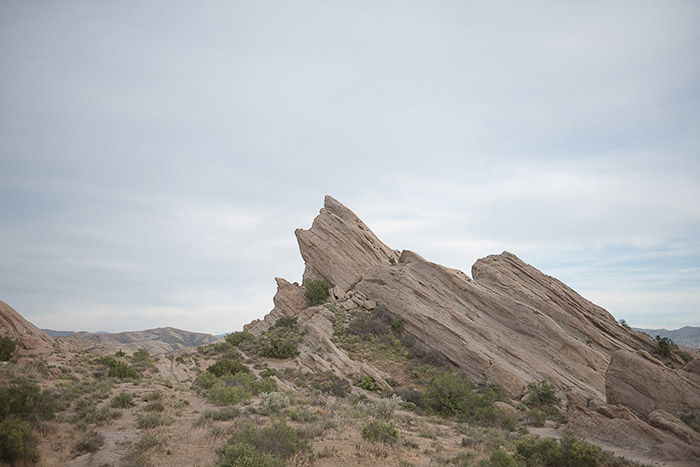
[156, 158]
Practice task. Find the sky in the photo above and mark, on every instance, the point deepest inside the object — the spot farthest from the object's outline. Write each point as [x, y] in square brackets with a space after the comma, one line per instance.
[156, 157]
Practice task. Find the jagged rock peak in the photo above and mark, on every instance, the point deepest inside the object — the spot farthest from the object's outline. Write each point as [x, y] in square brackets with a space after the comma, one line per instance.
[339, 248]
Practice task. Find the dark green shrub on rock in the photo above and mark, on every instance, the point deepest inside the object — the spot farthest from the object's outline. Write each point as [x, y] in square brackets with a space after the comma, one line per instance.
[7, 348]
[316, 292]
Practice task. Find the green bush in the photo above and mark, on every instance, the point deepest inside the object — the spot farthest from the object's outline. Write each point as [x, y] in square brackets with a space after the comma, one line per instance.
[279, 441]
[152, 420]
[316, 292]
[122, 401]
[569, 451]
[541, 393]
[664, 346]
[17, 443]
[23, 398]
[7, 348]
[500, 458]
[237, 454]
[367, 383]
[90, 442]
[281, 348]
[227, 367]
[237, 338]
[536, 417]
[451, 395]
[117, 368]
[378, 431]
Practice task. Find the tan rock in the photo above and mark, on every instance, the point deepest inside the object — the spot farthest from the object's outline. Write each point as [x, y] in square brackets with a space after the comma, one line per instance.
[644, 386]
[506, 409]
[666, 421]
[289, 301]
[339, 248]
[30, 338]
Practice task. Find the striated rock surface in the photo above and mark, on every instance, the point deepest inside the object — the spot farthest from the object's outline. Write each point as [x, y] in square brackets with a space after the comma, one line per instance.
[289, 301]
[491, 336]
[642, 383]
[339, 248]
[29, 337]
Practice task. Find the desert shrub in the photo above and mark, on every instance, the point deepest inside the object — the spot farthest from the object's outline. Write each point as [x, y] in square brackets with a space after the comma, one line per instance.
[234, 389]
[541, 393]
[155, 406]
[449, 394]
[376, 323]
[227, 367]
[220, 394]
[205, 381]
[7, 348]
[24, 399]
[328, 383]
[274, 402]
[88, 413]
[226, 413]
[120, 353]
[500, 458]
[277, 347]
[122, 401]
[303, 414]
[378, 431]
[664, 346]
[269, 372]
[569, 450]
[152, 396]
[90, 442]
[152, 420]
[279, 441]
[536, 417]
[385, 407]
[367, 383]
[117, 368]
[237, 454]
[316, 292]
[237, 338]
[685, 356]
[17, 442]
[141, 355]
[411, 395]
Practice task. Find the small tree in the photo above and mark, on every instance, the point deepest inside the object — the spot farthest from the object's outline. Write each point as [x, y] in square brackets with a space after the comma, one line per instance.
[316, 292]
[624, 324]
[7, 348]
[664, 346]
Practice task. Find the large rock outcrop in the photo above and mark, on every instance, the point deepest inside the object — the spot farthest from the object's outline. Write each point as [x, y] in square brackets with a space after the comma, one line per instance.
[29, 337]
[511, 324]
[339, 248]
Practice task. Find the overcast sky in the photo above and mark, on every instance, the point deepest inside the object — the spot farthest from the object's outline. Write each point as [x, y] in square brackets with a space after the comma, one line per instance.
[155, 157]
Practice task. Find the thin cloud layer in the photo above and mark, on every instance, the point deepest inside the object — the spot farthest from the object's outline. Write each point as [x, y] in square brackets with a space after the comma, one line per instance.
[156, 158]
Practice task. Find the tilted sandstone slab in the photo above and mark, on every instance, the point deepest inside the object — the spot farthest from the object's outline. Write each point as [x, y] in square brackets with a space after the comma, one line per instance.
[490, 335]
[641, 383]
[289, 301]
[339, 248]
[509, 275]
[29, 337]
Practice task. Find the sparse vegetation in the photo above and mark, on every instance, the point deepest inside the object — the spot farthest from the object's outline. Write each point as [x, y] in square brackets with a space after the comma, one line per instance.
[17, 442]
[624, 324]
[227, 367]
[122, 401]
[237, 338]
[569, 450]
[152, 420]
[117, 368]
[379, 431]
[90, 442]
[7, 348]
[273, 402]
[541, 393]
[267, 446]
[316, 292]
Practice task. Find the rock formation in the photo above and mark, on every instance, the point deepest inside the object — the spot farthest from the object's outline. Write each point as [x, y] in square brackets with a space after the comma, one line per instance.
[29, 337]
[511, 324]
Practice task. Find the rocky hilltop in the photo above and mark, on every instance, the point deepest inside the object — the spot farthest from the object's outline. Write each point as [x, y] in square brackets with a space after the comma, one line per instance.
[29, 337]
[508, 324]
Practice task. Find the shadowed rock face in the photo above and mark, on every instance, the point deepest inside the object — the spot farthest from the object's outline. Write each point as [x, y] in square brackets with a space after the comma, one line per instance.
[511, 324]
[29, 337]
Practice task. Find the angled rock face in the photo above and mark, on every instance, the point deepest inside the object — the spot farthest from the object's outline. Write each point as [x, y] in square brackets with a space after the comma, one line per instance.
[509, 275]
[29, 337]
[289, 301]
[339, 248]
[640, 382]
[491, 336]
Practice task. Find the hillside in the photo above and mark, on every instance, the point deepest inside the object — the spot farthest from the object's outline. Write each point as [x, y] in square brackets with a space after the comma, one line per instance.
[158, 341]
[688, 336]
[29, 337]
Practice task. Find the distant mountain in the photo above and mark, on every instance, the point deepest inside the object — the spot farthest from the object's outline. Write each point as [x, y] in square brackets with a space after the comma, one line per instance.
[688, 336]
[53, 333]
[159, 340]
